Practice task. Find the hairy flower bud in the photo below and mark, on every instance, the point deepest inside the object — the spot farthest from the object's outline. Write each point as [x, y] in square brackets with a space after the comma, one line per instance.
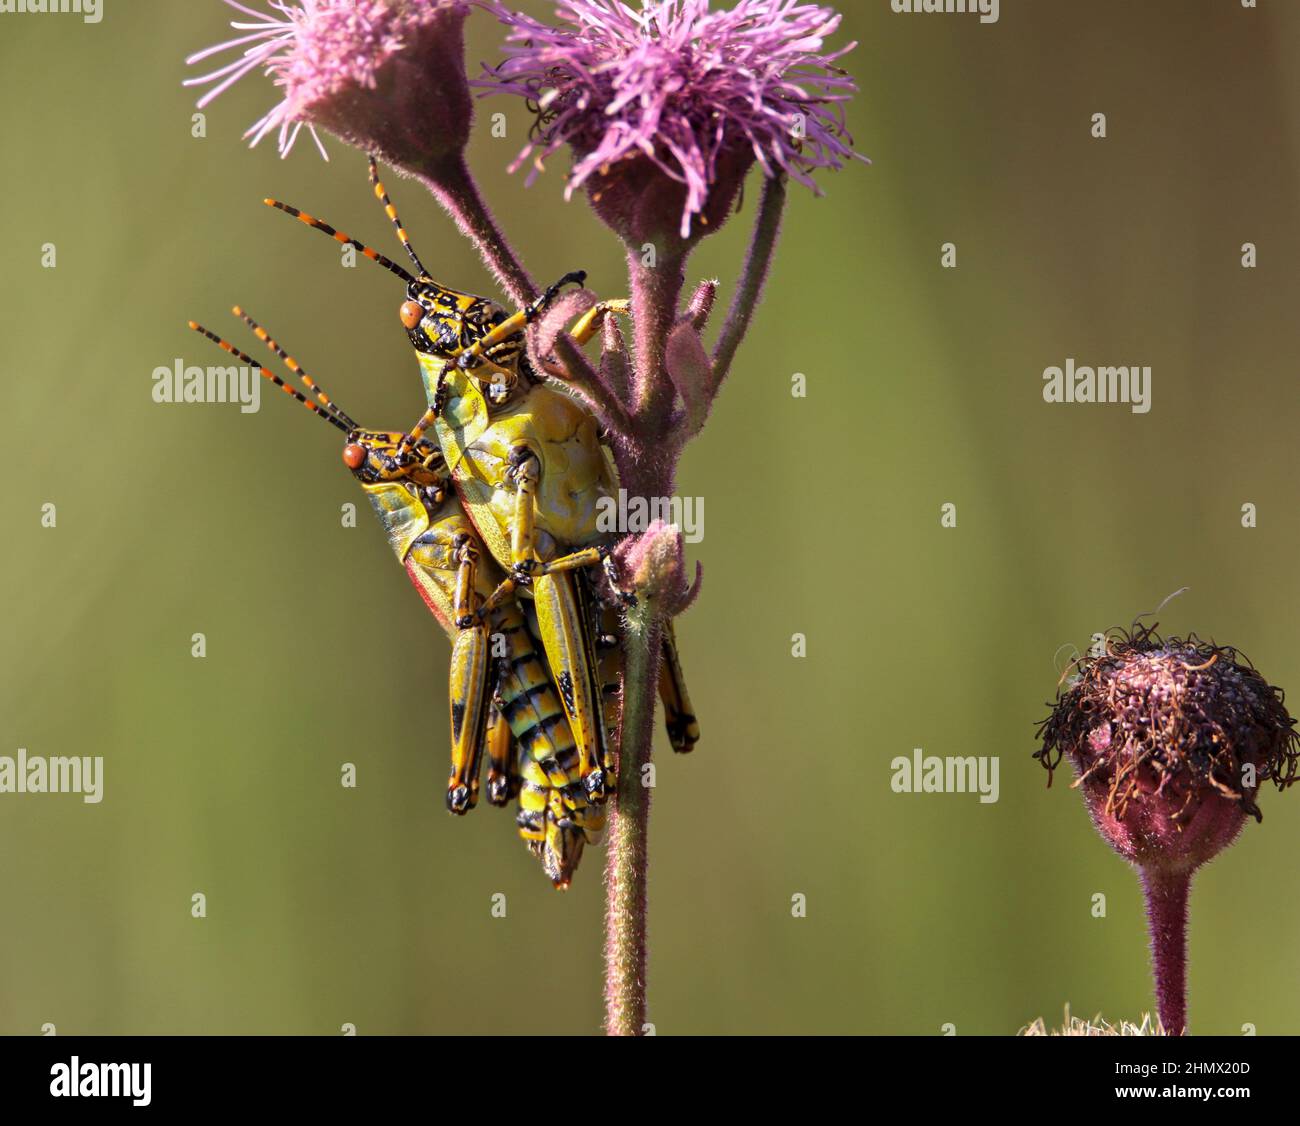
[653, 566]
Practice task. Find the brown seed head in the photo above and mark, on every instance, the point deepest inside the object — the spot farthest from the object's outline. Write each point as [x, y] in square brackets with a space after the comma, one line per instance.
[1170, 739]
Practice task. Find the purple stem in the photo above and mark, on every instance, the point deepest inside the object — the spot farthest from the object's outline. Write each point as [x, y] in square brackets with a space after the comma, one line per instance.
[762, 247]
[452, 184]
[646, 463]
[647, 457]
[656, 292]
[1166, 895]
[628, 857]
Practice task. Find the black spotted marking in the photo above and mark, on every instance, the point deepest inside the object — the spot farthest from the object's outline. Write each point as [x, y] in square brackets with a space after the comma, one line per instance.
[565, 683]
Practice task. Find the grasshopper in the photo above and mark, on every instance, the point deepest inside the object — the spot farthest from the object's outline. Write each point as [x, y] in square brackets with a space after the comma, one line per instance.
[528, 464]
[518, 722]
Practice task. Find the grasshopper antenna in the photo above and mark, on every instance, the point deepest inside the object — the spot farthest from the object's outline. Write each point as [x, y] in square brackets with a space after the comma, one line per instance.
[226, 346]
[295, 367]
[391, 212]
[339, 236]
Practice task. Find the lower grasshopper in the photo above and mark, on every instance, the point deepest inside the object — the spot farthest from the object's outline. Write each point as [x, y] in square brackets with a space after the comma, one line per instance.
[519, 723]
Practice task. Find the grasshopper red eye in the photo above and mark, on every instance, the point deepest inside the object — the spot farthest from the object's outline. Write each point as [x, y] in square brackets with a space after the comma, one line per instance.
[411, 312]
[354, 456]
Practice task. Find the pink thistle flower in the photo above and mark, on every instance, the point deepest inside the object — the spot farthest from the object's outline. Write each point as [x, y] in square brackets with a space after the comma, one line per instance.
[381, 74]
[682, 93]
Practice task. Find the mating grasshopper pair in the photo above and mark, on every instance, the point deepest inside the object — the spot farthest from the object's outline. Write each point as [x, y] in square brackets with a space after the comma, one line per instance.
[496, 527]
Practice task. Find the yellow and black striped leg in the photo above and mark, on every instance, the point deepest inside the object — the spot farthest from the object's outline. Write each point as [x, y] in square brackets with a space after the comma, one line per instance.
[564, 617]
[587, 325]
[679, 716]
[587, 557]
[475, 356]
[609, 652]
[568, 629]
[477, 359]
[468, 688]
[499, 743]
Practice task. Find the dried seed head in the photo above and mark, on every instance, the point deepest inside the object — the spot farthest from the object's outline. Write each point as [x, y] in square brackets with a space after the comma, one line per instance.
[1170, 740]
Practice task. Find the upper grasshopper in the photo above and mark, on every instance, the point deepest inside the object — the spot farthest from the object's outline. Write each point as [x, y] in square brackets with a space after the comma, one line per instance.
[528, 464]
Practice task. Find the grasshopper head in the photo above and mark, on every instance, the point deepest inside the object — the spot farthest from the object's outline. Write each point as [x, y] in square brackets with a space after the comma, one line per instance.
[443, 323]
[376, 456]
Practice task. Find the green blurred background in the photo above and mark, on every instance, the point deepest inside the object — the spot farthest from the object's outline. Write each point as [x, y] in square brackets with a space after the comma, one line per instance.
[372, 906]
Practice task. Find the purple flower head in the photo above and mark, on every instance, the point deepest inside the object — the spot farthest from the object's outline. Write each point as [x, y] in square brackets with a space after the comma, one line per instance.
[382, 74]
[677, 92]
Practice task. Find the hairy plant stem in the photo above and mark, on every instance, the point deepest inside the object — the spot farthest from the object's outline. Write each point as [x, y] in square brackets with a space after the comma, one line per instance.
[646, 455]
[656, 292]
[753, 276]
[452, 184]
[1166, 896]
[627, 860]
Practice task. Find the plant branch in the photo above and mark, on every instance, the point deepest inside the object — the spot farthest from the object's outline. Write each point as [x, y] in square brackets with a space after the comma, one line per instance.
[585, 383]
[452, 184]
[628, 855]
[656, 292]
[758, 261]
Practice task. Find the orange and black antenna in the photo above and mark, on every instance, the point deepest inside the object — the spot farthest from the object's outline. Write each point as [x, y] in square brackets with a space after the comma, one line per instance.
[339, 236]
[391, 212]
[295, 367]
[412, 436]
[225, 345]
